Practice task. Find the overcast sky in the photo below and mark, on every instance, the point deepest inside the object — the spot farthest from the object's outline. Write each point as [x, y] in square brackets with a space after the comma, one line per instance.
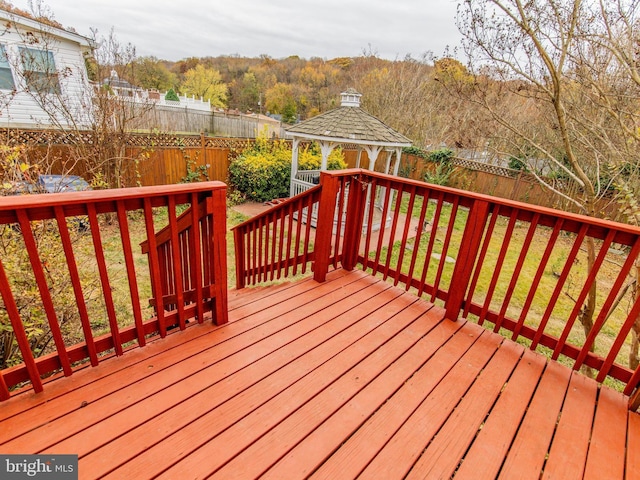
[278, 28]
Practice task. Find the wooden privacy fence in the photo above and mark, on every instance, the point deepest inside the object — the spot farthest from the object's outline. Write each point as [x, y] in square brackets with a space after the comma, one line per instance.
[166, 158]
[520, 269]
[172, 119]
[491, 180]
[148, 159]
[180, 118]
[192, 247]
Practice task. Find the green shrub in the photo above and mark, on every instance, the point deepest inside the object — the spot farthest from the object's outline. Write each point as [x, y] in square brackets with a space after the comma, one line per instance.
[172, 96]
[440, 175]
[415, 151]
[443, 167]
[262, 171]
[518, 163]
[443, 155]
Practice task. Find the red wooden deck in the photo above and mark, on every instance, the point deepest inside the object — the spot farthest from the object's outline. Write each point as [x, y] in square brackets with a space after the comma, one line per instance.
[342, 379]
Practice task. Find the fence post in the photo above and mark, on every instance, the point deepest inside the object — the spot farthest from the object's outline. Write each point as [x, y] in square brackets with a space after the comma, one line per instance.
[203, 153]
[324, 226]
[469, 247]
[354, 219]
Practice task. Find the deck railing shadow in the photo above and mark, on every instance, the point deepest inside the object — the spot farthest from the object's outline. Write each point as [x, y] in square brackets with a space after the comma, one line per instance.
[525, 271]
[186, 269]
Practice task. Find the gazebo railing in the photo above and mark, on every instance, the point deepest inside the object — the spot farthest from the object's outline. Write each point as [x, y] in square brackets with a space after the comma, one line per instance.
[304, 180]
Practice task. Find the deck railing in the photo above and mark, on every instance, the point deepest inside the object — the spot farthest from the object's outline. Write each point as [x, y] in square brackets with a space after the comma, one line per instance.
[558, 282]
[186, 274]
[83, 247]
[277, 243]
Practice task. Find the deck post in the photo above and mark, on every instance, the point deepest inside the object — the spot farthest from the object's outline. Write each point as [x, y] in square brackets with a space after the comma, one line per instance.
[469, 247]
[353, 223]
[221, 309]
[324, 227]
[239, 248]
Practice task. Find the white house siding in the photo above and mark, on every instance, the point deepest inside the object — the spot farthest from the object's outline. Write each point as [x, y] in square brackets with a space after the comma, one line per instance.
[25, 111]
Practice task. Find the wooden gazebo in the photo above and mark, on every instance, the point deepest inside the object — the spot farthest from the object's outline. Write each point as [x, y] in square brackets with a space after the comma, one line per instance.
[347, 125]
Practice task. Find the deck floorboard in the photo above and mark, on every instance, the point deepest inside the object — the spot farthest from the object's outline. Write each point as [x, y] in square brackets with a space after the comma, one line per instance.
[568, 452]
[342, 379]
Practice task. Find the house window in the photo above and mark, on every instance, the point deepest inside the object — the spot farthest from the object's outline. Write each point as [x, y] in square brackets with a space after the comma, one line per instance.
[39, 70]
[6, 78]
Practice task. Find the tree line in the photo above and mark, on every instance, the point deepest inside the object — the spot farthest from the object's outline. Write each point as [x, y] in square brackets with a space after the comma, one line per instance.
[404, 92]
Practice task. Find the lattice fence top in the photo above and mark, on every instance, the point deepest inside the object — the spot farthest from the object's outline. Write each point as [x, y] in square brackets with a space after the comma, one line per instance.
[155, 140]
[45, 137]
[163, 140]
[492, 169]
[485, 167]
[230, 143]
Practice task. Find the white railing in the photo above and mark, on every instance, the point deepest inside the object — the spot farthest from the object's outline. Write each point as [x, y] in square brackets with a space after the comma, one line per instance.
[191, 103]
[309, 176]
[298, 187]
[304, 180]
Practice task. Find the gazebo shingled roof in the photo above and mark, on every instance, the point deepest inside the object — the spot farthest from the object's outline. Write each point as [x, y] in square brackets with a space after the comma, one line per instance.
[351, 124]
[347, 124]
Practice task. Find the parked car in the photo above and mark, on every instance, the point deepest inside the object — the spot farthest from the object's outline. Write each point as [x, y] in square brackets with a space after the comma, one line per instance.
[47, 184]
[62, 183]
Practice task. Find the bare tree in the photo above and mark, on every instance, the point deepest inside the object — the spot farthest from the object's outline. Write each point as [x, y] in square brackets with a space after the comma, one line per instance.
[90, 114]
[570, 67]
[115, 109]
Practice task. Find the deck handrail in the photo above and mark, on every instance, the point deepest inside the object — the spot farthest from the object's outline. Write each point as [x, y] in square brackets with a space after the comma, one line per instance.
[267, 247]
[205, 252]
[515, 266]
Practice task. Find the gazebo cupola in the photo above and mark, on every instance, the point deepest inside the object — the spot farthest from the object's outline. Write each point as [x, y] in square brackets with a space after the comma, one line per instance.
[348, 124]
[350, 98]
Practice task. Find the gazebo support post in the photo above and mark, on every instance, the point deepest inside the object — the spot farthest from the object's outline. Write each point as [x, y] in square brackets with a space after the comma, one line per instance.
[372, 152]
[387, 166]
[294, 165]
[396, 166]
[325, 148]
